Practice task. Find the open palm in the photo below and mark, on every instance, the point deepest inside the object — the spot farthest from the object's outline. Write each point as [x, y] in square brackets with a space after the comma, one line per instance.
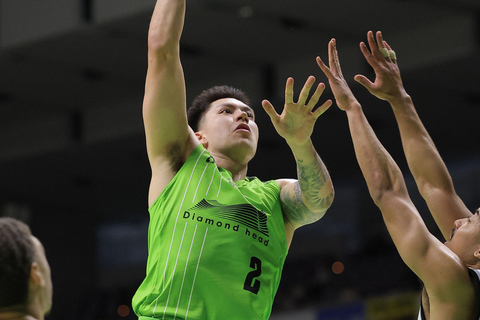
[297, 120]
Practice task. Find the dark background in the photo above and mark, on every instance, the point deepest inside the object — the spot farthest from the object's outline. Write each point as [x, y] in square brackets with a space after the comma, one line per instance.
[72, 150]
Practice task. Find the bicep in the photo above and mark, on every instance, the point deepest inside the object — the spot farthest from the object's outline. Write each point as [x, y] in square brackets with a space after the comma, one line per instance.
[424, 254]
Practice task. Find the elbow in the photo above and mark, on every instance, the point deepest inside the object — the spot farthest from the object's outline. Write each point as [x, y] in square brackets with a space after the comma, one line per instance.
[384, 197]
[161, 47]
[428, 189]
[381, 192]
[320, 205]
[329, 200]
[382, 187]
[378, 196]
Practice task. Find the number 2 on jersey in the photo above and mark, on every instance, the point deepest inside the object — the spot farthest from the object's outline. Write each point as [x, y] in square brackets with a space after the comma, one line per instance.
[252, 284]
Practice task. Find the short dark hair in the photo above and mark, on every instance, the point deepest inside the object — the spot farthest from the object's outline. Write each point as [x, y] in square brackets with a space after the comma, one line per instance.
[16, 257]
[202, 102]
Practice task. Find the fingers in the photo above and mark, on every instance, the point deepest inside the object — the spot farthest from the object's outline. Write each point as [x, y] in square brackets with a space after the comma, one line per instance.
[306, 90]
[334, 70]
[316, 96]
[367, 54]
[324, 107]
[270, 110]
[374, 49]
[371, 42]
[381, 46]
[289, 91]
[378, 52]
[363, 81]
[304, 94]
[392, 54]
[303, 97]
[333, 58]
[324, 68]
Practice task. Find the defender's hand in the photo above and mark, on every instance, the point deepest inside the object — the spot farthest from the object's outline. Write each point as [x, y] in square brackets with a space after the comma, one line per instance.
[388, 82]
[343, 95]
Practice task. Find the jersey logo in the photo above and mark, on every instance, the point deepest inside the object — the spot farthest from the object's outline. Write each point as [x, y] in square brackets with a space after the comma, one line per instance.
[244, 213]
[211, 159]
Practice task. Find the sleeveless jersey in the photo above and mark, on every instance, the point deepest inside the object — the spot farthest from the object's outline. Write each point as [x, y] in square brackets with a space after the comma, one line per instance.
[475, 278]
[216, 247]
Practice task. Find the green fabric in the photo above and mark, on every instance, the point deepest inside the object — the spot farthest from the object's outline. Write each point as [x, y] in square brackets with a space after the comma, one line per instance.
[212, 243]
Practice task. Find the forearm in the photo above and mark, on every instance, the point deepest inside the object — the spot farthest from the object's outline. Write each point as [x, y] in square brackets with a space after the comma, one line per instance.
[388, 190]
[423, 159]
[379, 170]
[166, 24]
[314, 187]
[428, 169]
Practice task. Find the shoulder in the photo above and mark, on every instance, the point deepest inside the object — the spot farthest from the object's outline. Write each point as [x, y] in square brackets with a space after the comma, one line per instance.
[475, 279]
[450, 280]
[268, 189]
[285, 182]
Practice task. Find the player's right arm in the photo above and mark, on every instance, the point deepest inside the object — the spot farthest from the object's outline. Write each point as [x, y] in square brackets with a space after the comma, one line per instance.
[169, 139]
[428, 169]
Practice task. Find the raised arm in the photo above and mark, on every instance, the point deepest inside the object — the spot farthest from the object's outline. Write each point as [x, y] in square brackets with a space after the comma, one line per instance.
[169, 139]
[307, 199]
[433, 262]
[427, 167]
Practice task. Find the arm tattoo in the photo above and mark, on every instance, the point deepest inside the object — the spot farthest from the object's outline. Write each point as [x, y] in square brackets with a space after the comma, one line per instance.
[308, 200]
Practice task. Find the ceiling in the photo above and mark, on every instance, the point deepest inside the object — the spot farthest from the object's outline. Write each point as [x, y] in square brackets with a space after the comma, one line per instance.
[72, 75]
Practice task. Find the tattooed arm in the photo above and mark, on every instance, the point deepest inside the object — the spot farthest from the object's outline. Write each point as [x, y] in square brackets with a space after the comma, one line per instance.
[306, 200]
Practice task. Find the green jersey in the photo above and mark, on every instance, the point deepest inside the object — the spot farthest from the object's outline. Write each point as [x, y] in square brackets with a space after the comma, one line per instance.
[216, 247]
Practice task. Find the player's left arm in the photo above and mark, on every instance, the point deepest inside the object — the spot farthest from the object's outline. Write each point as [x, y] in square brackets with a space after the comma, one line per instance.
[307, 199]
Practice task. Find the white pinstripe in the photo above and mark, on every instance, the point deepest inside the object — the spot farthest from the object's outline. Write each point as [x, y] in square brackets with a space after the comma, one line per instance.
[199, 182]
[185, 271]
[175, 227]
[174, 268]
[211, 180]
[195, 277]
[220, 187]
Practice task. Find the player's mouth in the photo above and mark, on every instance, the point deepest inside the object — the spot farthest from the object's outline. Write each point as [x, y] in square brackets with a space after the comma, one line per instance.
[243, 127]
[452, 233]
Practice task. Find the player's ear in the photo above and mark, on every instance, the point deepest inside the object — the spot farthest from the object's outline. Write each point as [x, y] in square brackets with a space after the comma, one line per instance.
[202, 138]
[36, 275]
[476, 254]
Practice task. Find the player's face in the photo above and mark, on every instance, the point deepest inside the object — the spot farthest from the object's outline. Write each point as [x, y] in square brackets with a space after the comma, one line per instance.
[465, 238]
[228, 127]
[46, 290]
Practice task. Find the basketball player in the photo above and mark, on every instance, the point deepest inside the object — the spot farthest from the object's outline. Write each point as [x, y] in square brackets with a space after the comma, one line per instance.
[25, 281]
[450, 270]
[218, 238]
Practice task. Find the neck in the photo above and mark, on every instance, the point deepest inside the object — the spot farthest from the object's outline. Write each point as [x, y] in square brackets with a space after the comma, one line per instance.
[475, 265]
[238, 169]
[13, 315]
[20, 312]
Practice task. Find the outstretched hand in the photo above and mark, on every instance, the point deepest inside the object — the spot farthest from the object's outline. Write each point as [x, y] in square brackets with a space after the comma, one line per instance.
[388, 82]
[343, 95]
[295, 123]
